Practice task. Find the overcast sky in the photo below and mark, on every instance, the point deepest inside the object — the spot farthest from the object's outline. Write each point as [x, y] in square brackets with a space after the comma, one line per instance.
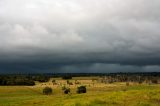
[79, 36]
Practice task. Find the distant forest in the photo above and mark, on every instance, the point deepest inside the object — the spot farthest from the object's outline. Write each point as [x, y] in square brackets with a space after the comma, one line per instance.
[29, 79]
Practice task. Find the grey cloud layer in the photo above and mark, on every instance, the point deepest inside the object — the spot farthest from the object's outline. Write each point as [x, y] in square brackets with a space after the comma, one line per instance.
[66, 33]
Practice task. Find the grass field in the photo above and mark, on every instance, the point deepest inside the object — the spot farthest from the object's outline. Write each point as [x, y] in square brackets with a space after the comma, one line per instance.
[116, 94]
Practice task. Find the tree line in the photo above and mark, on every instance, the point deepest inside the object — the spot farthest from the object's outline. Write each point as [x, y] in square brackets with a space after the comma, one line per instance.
[29, 79]
[25, 79]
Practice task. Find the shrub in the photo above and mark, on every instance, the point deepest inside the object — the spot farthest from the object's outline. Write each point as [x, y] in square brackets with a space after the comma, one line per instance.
[47, 91]
[67, 90]
[69, 83]
[81, 89]
[53, 81]
[140, 81]
[154, 81]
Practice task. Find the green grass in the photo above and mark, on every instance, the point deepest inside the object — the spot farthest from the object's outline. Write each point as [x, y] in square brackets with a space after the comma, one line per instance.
[134, 95]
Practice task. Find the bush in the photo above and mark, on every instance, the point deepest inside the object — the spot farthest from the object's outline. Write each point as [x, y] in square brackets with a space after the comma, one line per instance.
[47, 91]
[67, 90]
[140, 81]
[154, 81]
[69, 83]
[81, 89]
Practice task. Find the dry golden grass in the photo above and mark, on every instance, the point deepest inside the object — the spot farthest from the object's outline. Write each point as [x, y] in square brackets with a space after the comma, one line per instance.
[98, 94]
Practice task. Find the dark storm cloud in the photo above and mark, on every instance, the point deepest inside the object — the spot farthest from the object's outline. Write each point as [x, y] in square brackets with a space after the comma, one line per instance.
[75, 36]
